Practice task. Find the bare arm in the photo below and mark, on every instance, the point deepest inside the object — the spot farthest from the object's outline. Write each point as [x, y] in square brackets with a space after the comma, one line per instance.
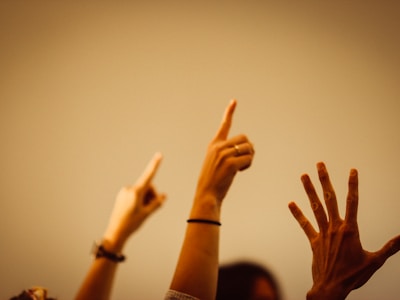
[340, 264]
[132, 207]
[197, 268]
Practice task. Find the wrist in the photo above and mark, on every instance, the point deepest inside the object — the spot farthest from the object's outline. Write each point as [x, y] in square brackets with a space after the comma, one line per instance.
[325, 293]
[112, 244]
[206, 207]
[104, 250]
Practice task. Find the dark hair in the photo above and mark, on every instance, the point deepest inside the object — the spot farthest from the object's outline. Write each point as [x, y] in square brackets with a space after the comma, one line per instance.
[25, 295]
[236, 281]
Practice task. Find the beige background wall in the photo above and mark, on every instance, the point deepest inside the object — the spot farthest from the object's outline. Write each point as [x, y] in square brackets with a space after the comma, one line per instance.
[89, 90]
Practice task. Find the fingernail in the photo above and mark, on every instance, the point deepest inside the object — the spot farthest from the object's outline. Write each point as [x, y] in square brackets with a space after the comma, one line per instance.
[353, 172]
[321, 166]
[304, 178]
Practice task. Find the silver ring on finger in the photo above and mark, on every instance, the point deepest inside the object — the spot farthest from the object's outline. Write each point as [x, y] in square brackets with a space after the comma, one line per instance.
[237, 150]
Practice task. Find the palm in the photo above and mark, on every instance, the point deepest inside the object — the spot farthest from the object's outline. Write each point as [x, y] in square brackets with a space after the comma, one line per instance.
[346, 256]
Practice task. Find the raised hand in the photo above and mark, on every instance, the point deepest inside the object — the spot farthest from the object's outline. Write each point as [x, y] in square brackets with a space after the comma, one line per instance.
[133, 205]
[340, 264]
[196, 273]
[225, 157]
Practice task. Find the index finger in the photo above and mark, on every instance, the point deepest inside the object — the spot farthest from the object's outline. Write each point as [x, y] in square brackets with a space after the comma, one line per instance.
[303, 221]
[223, 130]
[150, 170]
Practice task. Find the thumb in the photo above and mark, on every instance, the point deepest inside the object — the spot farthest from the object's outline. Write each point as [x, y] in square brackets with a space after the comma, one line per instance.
[389, 249]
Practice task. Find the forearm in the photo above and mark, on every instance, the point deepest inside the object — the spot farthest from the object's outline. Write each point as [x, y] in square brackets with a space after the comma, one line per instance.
[196, 273]
[197, 268]
[326, 292]
[323, 296]
[99, 280]
[100, 277]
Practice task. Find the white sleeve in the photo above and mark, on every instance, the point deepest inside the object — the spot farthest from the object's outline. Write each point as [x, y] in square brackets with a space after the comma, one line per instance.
[175, 295]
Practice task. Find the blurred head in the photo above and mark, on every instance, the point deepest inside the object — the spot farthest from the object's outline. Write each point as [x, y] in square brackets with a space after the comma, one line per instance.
[35, 293]
[246, 281]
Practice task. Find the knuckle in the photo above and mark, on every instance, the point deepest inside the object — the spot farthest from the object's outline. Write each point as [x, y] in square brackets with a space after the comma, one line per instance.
[348, 230]
[328, 195]
[216, 147]
[242, 137]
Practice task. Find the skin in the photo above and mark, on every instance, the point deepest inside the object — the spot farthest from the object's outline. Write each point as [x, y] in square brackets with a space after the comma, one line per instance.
[133, 205]
[263, 290]
[197, 268]
[340, 264]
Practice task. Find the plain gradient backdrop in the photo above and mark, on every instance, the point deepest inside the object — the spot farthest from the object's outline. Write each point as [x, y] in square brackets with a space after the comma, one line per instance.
[90, 90]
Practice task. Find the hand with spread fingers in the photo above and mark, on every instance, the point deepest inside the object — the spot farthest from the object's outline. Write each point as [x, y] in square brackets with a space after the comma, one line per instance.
[132, 207]
[340, 264]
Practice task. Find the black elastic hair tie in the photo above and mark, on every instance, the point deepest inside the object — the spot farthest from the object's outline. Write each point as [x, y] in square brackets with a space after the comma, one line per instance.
[204, 221]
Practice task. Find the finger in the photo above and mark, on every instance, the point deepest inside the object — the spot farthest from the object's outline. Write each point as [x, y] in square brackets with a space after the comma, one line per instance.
[303, 221]
[329, 193]
[244, 162]
[241, 149]
[156, 202]
[238, 161]
[239, 143]
[150, 170]
[223, 130]
[235, 140]
[352, 197]
[315, 203]
[389, 249]
[151, 195]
